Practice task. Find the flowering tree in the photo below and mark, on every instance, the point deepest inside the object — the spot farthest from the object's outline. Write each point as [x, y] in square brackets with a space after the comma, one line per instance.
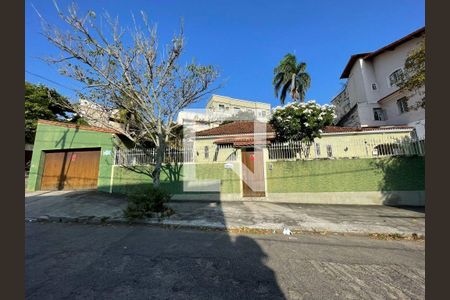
[301, 121]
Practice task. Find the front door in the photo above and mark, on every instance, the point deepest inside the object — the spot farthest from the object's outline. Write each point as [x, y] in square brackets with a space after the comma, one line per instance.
[253, 172]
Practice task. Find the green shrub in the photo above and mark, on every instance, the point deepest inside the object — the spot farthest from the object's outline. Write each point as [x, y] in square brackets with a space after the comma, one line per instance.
[146, 205]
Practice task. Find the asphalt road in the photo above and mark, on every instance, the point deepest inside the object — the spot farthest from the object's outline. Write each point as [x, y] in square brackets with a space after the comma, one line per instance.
[76, 261]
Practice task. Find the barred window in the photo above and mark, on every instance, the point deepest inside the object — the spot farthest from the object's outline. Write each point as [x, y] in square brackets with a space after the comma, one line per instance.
[317, 149]
[329, 151]
[402, 105]
[378, 114]
[395, 77]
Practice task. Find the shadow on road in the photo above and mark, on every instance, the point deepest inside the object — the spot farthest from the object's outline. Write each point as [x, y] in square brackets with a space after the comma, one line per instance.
[136, 262]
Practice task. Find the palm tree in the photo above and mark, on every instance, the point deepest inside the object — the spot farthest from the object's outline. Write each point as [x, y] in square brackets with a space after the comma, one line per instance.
[290, 75]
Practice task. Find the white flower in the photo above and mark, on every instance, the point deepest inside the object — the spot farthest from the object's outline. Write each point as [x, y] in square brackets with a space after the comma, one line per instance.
[320, 131]
[306, 124]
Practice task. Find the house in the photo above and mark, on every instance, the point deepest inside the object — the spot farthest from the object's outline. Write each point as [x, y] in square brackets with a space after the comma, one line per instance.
[223, 143]
[371, 97]
[236, 161]
[220, 108]
[71, 156]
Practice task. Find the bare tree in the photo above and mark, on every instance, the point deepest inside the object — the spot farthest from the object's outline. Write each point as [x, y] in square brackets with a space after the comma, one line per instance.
[123, 69]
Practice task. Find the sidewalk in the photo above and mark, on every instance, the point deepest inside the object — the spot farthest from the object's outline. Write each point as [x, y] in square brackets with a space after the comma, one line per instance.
[95, 207]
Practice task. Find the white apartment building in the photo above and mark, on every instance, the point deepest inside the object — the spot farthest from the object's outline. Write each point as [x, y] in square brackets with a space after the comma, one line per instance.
[220, 108]
[371, 97]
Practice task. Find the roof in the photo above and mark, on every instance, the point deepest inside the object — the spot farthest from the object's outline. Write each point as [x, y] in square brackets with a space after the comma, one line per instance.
[236, 127]
[242, 142]
[230, 130]
[388, 47]
[351, 62]
[80, 127]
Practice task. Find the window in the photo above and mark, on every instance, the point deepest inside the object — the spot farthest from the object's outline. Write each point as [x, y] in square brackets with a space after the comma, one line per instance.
[329, 151]
[263, 113]
[206, 152]
[378, 114]
[374, 86]
[395, 77]
[317, 149]
[221, 107]
[402, 105]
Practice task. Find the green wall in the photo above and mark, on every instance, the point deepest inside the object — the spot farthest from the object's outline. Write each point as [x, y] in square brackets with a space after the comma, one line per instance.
[347, 175]
[137, 180]
[51, 137]
[339, 175]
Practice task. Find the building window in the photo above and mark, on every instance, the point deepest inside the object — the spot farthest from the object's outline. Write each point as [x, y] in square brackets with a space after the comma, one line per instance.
[263, 113]
[374, 86]
[221, 107]
[395, 77]
[206, 152]
[317, 149]
[378, 114]
[329, 151]
[402, 105]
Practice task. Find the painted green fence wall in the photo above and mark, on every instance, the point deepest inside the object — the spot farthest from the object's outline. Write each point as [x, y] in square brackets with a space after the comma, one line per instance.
[347, 175]
[50, 137]
[132, 181]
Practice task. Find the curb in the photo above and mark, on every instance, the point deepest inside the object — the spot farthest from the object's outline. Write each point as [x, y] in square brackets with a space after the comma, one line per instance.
[173, 224]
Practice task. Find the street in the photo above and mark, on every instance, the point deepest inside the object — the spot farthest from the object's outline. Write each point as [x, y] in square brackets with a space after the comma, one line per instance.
[78, 261]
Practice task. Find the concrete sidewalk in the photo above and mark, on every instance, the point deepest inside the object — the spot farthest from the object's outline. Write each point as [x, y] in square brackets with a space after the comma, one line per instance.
[96, 207]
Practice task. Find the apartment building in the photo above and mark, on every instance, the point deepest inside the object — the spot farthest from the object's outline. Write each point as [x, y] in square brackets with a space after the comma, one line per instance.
[220, 108]
[371, 97]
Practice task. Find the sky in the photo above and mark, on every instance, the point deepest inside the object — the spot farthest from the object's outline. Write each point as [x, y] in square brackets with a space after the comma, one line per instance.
[245, 39]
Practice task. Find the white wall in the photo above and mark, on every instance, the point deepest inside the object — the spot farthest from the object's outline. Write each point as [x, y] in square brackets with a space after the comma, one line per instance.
[377, 70]
[387, 62]
[355, 84]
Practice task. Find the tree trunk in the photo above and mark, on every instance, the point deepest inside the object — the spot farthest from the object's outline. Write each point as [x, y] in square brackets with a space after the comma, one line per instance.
[293, 83]
[160, 149]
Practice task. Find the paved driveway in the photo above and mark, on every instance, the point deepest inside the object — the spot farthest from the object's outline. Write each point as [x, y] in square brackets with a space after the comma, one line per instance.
[257, 215]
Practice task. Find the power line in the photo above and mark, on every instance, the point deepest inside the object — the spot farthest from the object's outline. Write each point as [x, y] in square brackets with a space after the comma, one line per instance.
[52, 81]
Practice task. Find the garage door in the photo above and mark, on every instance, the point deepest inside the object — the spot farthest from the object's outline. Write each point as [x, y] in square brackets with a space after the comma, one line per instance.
[70, 170]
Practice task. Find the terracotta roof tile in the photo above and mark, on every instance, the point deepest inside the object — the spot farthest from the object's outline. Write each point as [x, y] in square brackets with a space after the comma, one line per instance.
[80, 127]
[236, 127]
[243, 141]
[388, 47]
[247, 127]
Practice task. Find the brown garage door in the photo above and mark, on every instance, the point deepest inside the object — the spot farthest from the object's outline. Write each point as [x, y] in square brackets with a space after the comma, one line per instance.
[70, 170]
